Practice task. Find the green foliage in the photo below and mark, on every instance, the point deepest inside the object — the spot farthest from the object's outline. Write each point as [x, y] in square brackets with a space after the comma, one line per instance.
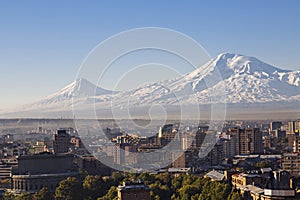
[263, 164]
[23, 196]
[162, 191]
[69, 189]
[215, 191]
[112, 194]
[235, 196]
[162, 187]
[43, 194]
[8, 196]
[92, 186]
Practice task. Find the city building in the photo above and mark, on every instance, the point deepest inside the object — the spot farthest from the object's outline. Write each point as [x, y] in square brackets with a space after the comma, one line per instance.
[277, 187]
[275, 125]
[133, 191]
[92, 165]
[248, 140]
[61, 142]
[42, 170]
[183, 159]
[166, 134]
[291, 163]
[200, 135]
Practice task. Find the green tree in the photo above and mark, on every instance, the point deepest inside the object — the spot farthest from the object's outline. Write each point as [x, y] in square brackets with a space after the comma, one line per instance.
[262, 164]
[8, 196]
[187, 191]
[43, 194]
[235, 196]
[69, 189]
[23, 196]
[92, 187]
[112, 194]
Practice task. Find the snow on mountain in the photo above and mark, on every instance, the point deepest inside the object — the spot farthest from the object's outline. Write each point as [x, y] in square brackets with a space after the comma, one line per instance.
[244, 79]
[80, 91]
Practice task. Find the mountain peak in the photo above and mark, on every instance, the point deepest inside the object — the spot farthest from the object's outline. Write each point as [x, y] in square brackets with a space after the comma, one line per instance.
[81, 87]
[243, 64]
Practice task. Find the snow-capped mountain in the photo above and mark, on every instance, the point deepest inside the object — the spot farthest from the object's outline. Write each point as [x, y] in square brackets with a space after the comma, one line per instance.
[81, 90]
[243, 79]
[229, 78]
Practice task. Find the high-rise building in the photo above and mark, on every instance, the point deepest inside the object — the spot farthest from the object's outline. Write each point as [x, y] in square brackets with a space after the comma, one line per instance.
[291, 163]
[183, 159]
[275, 125]
[293, 126]
[248, 140]
[200, 135]
[61, 142]
[166, 134]
[296, 144]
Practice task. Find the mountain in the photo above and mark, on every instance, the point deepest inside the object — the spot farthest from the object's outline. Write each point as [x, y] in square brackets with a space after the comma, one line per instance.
[241, 78]
[81, 90]
[242, 82]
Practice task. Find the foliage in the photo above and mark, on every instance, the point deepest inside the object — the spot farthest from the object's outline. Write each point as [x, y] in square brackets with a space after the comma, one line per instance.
[43, 194]
[234, 196]
[69, 189]
[92, 186]
[112, 194]
[263, 164]
[162, 187]
[8, 196]
[23, 196]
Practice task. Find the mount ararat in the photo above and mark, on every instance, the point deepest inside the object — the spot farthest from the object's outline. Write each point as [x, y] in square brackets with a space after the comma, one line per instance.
[248, 87]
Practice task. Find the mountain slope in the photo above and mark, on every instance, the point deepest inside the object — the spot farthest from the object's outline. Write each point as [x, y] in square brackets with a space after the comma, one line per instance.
[245, 79]
[231, 78]
[81, 90]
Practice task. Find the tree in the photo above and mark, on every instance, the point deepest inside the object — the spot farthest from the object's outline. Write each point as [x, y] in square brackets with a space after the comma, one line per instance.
[187, 191]
[92, 187]
[8, 196]
[234, 196]
[23, 196]
[262, 164]
[43, 194]
[69, 189]
[112, 194]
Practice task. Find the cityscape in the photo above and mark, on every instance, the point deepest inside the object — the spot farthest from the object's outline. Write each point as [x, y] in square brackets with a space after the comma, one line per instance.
[256, 159]
[139, 100]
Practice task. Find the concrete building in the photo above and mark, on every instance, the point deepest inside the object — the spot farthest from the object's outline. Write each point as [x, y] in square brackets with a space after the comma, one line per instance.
[200, 135]
[248, 140]
[166, 134]
[42, 170]
[183, 159]
[293, 126]
[133, 191]
[92, 165]
[61, 143]
[291, 163]
[275, 125]
[277, 187]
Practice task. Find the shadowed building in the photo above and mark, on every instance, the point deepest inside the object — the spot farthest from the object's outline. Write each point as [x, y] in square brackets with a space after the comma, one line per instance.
[42, 170]
[61, 142]
[248, 140]
[133, 191]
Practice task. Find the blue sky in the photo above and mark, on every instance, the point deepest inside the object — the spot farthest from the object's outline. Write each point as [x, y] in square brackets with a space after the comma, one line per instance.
[42, 43]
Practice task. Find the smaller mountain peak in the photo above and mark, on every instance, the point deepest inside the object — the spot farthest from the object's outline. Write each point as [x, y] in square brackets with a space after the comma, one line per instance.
[81, 81]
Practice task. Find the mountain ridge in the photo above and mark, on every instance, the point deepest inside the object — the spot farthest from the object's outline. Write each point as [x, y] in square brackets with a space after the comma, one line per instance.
[232, 78]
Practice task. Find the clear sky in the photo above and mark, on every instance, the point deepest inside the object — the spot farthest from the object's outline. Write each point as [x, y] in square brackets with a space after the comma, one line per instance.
[42, 43]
